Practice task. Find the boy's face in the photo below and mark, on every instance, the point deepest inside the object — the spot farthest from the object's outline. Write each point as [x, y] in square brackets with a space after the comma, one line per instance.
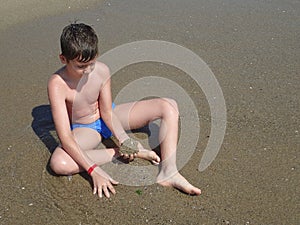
[79, 68]
[83, 68]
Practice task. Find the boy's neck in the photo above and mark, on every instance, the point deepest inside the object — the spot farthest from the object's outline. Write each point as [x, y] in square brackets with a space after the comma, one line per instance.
[71, 80]
[73, 77]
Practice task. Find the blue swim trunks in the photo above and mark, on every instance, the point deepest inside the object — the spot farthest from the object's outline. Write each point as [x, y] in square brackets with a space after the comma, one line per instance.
[98, 125]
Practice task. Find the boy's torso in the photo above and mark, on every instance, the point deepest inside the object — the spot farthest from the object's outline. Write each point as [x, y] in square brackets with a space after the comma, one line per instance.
[82, 98]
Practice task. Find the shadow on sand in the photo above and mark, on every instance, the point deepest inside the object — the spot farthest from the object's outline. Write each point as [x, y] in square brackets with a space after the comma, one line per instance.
[43, 124]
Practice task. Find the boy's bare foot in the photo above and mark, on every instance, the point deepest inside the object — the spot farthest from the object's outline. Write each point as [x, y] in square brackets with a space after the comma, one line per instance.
[179, 182]
[148, 155]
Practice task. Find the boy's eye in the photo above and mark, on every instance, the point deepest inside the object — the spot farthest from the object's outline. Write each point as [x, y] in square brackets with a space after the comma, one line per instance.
[85, 66]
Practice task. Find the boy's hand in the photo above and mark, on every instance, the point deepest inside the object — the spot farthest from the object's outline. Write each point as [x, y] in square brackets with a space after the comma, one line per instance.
[103, 183]
[130, 148]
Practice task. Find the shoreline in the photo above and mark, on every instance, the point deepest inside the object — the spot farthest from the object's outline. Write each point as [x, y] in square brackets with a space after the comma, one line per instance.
[14, 12]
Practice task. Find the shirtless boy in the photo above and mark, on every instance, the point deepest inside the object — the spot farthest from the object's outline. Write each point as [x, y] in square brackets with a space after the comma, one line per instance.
[83, 113]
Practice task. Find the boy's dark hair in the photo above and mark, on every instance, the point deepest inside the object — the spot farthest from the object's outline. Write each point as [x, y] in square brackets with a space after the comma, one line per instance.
[79, 41]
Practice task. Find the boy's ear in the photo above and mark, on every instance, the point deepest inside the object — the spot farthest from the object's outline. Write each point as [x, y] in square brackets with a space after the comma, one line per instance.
[63, 59]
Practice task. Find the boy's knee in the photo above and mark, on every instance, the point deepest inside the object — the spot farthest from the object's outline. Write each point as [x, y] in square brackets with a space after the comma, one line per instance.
[171, 107]
[58, 165]
[173, 103]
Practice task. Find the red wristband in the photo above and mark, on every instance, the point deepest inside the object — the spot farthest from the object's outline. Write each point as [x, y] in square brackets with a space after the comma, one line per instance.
[91, 169]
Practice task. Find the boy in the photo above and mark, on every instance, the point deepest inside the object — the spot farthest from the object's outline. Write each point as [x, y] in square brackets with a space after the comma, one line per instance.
[83, 113]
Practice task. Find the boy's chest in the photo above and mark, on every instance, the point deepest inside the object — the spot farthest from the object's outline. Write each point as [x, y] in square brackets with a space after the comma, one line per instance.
[86, 92]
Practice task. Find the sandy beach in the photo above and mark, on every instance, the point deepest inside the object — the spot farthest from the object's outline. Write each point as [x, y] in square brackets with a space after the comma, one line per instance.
[252, 48]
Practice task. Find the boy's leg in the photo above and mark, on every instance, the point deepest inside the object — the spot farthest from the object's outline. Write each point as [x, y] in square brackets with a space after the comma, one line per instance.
[88, 139]
[137, 114]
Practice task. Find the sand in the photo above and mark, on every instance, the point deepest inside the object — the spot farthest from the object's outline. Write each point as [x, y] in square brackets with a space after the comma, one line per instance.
[252, 47]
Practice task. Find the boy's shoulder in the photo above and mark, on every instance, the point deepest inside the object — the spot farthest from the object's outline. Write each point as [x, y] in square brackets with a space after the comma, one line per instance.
[102, 69]
[56, 78]
[57, 82]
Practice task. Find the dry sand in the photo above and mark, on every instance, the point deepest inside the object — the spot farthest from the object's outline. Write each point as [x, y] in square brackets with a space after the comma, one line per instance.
[252, 48]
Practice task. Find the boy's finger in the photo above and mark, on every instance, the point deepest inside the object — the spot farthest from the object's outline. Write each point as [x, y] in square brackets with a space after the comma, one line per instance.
[113, 181]
[100, 192]
[106, 192]
[131, 157]
[112, 189]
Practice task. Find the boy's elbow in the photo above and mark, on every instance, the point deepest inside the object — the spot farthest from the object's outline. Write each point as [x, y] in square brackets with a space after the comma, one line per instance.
[106, 115]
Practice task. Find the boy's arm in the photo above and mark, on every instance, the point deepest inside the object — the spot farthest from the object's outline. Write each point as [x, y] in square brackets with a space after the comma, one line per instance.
[105, 105]
[57, 98]
[128, 146]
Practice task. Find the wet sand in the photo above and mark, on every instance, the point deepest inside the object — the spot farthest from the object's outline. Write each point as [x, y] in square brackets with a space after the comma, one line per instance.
[252, 49]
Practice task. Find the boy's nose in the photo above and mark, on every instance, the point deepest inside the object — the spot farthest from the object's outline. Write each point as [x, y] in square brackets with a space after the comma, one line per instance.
[88, 70]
